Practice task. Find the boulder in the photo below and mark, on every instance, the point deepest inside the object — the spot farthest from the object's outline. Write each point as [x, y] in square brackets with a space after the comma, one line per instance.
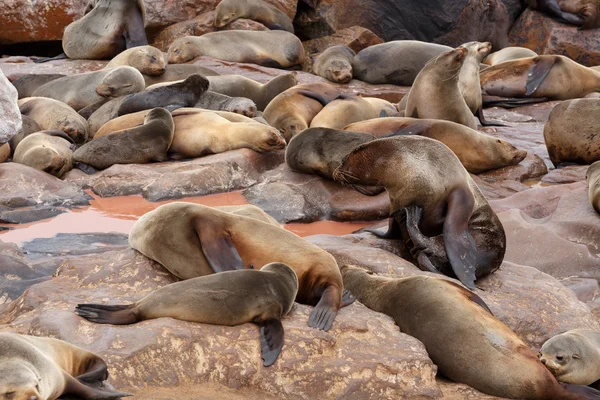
[355, 37]
[10, 116]
[545, 35]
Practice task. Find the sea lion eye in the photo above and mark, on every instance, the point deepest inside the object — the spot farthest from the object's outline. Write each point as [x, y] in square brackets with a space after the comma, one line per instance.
[575, 356]
[9, 395]
[559, 358]
[153, 59]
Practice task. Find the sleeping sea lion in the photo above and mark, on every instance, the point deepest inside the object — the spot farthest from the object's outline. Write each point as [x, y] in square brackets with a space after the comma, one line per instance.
[508, 54]
[48, 151]
[582, 13]
[178, 72]
[146, 59]
[342, 112]
[50, 114]
[27, 84]
[270, 16]
[335, 64]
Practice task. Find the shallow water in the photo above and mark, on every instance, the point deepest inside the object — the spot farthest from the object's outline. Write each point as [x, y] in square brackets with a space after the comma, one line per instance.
[118, 214]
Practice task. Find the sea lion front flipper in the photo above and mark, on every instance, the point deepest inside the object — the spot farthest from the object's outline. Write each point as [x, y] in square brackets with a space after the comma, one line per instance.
[552, 8]
[485, 122]
[323, 315]
[394, 232]
[218, 248]
[473, 297]
[87, 392]
[585, 392]
[98, 372]
[347, 298]
[271, 340]
[537, 73]
[460, 246]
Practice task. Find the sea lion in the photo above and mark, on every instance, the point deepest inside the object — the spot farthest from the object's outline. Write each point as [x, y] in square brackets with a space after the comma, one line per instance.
[27, 84]
[476, 151]
[342, 112]
[45, 368]
[170, 236]
[293, 110]
[52, 114]
[583, 13]
[468, 80]
[82, 90]
[29, 126]
[48, 151]
[270, 16]
[571, 132]
[278, 49]
[593, 180]
[142, 144]
[573, 357]
[229, 298]
[107, 29]
[397, 62]
[435, 207]
[261, 94]
[436, 93]
[251, 211]
[508, 54]
[178, 72]
[462, 337]
[551, 77]
[335, 64]
[4, 152]
[146, 59]
[220, 102]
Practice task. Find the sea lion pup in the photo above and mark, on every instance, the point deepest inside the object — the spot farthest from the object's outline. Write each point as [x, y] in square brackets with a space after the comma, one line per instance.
[270, 16]
[4, 152]
[48, 151]
[476, 151]
[229, 298]
[27, 84]
[508, 54]
[293, 110]
[335, 64]
[139, 145]
[29, 126]
[541, 76]
[593, 180]
[573, 357]
[261, 94]
[582, 13]
[52, 114]
[278, 49]
[436, 93]
[170, 235]
[571, 132]
[45, 368]
[435, 207]
[486, 355]
[177, 72]
[397, 62]
[146, 59]
[468, 80]
[342, 112]
[82, 90]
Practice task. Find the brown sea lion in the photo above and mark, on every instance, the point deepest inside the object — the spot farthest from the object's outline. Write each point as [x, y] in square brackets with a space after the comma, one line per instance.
[146, 59]
[571, 132]
[436, 93]
[82, 90]
[52, 114]
[468, 80]
[48, 151]
[462, 337]
[251, 211]
[476, 151]
[45, 368]
[142, 144]
[270, 16]
[4, 152]
[278, 49]
[229, 298]
[583, 13]
[573, 357]
[293, 110]
[170, 236]
[397, 62]
[508, 54]
[335, 64]
[342, 112]
[27, 84]
[435, 207]
[550, 77]
[29, 126]
[178, 72]
[593, 180]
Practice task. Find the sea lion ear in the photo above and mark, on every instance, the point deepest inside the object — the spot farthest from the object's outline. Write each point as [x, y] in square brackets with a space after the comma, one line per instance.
[217, 246]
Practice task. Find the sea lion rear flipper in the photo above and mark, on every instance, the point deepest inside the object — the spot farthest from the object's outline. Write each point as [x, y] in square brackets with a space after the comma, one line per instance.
[347, 298]
[458, 242]
[218, 248]
[87, 392]
[585, 392]
[485, 122]
[323, 315]
[61, 56]
[513, 102]
[120, 314]
[537, 73]
[271, 340]
[393, 232]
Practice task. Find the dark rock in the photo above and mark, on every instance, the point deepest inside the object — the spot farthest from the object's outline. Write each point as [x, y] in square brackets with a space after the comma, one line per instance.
[72, 244]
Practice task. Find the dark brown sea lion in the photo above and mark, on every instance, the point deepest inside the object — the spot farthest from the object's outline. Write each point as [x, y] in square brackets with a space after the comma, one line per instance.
[583, 13]
[270, 16]
[435, 207]
[335, 64]
[462, 337]
[192, 240]
[29, 126]
[593, 180]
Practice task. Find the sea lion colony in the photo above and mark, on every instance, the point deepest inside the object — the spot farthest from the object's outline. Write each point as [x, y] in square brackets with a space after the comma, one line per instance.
[237, 264]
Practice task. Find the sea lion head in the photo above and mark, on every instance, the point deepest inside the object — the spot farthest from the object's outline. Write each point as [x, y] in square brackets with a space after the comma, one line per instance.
[77, 131]
[339, 71]
[570, 357]
[148, 60]
[121, 81]
[478, 49]
[182, 50]
[268, 138]
[508, 153]
[18, 381]
[241, 105]
[226, 12]
[447, 65]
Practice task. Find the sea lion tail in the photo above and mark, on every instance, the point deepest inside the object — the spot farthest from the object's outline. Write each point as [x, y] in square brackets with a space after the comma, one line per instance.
[121, 314]
[580, 392]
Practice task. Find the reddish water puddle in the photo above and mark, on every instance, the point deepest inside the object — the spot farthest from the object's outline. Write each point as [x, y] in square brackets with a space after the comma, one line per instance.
[118, 214]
